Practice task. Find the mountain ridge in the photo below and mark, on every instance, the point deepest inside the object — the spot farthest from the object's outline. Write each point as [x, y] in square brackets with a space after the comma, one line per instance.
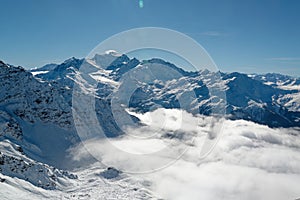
[261, 91]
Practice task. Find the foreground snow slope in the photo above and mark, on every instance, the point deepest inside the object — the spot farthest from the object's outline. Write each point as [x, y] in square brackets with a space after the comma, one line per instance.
[90, 185]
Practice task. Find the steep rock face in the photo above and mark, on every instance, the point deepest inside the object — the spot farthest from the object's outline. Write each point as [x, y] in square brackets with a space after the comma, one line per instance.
[14, 163]
[34, 112]
[9, 127]
[29, 99]
[242, 89]
[253, 100]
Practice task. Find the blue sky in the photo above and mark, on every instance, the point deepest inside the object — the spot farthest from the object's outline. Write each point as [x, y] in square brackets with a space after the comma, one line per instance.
[240, 35]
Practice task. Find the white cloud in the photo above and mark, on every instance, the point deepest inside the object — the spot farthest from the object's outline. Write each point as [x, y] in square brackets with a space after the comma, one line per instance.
[212, 33]
[284, 59]
[250, 161]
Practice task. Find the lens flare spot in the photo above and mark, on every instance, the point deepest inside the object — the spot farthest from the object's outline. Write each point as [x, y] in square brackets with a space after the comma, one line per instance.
[141, 3]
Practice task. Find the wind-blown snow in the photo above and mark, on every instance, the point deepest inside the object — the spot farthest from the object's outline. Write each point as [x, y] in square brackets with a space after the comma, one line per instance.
[38, 72]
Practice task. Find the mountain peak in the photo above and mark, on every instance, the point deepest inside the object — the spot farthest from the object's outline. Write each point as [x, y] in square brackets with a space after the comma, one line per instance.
[2, 63]
[71, 60]
[110, 58]
[113, 53]
[166, 63]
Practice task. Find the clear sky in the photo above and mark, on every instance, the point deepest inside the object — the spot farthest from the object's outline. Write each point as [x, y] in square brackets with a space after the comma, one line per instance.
[240, 35]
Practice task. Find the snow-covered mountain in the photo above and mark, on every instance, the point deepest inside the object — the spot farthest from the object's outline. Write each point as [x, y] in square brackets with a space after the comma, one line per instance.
[289, 100]
[37, 128]
[278, 80]
[248, 97]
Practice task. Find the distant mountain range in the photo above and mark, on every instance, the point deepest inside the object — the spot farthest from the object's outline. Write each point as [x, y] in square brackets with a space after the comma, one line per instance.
[270, 99]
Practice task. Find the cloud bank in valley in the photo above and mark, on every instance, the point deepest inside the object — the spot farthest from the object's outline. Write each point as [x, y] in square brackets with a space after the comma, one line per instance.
[250, 161]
